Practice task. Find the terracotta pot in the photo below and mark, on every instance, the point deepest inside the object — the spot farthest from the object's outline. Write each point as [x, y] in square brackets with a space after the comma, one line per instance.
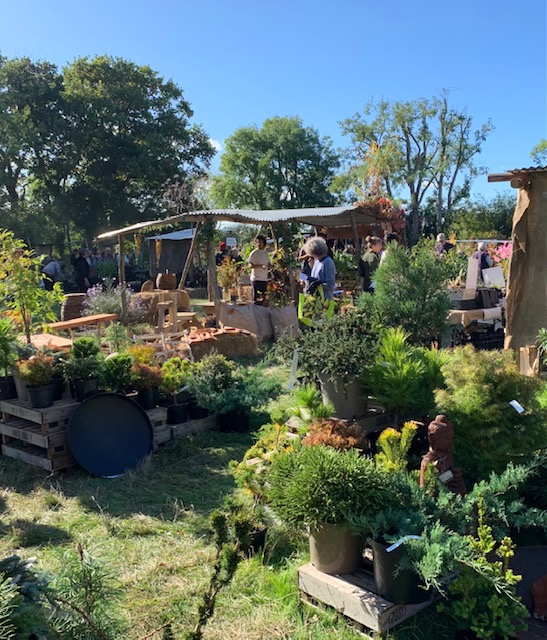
[334, 549]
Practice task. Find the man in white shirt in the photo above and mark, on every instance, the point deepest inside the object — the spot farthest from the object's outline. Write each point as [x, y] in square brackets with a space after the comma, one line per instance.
[259, 261]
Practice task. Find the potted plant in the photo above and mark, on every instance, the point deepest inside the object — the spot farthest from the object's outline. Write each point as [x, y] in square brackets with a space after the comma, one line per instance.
[175, 373]
[147, 380]
[118, 372]
[7, 359]
[37, 373]
[321, 488]
[23, 352]
[230, 392]
[84, 367]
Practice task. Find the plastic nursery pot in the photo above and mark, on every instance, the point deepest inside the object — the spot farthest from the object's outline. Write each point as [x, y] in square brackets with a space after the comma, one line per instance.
[83, 389]
[177, 413]
[234, 421]
[400, 587]
[21, 388]
[347, 395]
[7, 388]
[147, 399]
[58, 388]
[196, 412]
[41, 396]
[256, 542]
[334, 549]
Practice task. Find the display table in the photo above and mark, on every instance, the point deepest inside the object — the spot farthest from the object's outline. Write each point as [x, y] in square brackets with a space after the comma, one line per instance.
[465, 318]
[77, 323]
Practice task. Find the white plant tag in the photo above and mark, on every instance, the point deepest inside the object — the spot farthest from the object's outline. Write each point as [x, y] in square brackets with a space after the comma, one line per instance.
[517, 406]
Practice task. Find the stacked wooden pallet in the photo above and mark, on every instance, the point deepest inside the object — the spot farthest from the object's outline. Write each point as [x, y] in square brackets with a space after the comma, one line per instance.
[37, 436]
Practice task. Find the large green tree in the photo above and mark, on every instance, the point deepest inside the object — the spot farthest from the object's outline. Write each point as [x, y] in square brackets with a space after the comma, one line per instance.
[282, 165]
[482, 218]
[413, 149]
[539, 152]
[92, 147]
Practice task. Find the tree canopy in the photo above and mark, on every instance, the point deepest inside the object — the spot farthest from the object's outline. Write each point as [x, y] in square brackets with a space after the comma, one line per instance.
[282, 165]
[414, 148]
[93, 145]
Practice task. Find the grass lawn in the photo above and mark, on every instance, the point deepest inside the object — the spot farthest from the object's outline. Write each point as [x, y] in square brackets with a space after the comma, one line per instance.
[149, 526]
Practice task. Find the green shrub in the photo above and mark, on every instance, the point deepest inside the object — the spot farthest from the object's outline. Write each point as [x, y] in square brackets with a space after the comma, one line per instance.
[8, 337]
[37, 370]
[117, 372]
[85, 347]
[411, 293]
[175, 374]
[489, 433]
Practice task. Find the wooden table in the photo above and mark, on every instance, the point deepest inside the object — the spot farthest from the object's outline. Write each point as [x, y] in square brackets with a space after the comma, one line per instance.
[50, 341]
[98, 319]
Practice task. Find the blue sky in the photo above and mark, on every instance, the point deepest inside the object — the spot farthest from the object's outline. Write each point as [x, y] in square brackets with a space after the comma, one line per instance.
[242, 61]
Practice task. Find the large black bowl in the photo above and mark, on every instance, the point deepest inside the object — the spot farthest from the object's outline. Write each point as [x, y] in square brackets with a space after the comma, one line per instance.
[109, 434]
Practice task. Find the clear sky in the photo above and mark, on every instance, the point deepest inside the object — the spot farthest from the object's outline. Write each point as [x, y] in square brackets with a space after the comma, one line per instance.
[242, 61]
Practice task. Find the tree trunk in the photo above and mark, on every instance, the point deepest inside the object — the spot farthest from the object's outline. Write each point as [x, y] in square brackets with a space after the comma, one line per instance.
[414, 224]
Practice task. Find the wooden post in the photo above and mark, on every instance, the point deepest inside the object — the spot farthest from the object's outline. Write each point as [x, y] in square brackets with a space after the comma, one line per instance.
[212, 273]
[355, 235]
[189, 257]
[274, 237]
[121, 274]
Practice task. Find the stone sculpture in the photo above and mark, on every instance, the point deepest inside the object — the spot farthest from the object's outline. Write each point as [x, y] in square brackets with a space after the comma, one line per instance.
[441, 442]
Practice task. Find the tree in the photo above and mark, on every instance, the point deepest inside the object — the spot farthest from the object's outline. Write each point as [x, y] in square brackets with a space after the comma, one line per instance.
[93, 146]
[422, 146]
[282, 165]
[484, 218]
[539, 152]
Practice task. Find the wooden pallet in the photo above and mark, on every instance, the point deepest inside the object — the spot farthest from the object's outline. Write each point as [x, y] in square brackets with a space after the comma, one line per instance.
[161, 430]
[353, 596]
[193, 426]
[49, 418]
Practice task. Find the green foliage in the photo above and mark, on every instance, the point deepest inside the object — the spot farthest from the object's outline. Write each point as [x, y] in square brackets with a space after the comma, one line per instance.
[484, 218]
[117, 372]
[221, 387]
[146, 377]
[310, 486]
[20, 285]
[307, 404]
[282, 165]
[335, 349]
[539, 152]
[8, 337]
[403, 377]
[474, 601]
[85, 347]
[89, 596]
[489, 433]
[37, 370]
[107, 298]
[410, 292]
[85, 361]
[346, 264]
[118, 337]
[393, 447]
[175, 374]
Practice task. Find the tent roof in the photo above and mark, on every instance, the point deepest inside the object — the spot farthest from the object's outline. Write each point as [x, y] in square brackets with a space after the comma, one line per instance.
[183, 234]
[514, 173]
[318, 217]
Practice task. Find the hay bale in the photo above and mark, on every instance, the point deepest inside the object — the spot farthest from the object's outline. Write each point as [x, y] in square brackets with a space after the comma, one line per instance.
[72, 306]
[231, 343]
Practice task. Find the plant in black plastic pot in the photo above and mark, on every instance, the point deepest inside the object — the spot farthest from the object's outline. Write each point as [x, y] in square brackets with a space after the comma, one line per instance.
[175, 373]
[84, 367]
[147, 380]
[323, 488]
[37, 373]
[118, 373]
[8, 358]
[230, 392]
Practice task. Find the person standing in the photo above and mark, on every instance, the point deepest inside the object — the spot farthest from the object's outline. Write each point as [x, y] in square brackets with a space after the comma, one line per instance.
[81, 272]
[481, 254]
[369, 262]
[52, 273]
[259, 261]
[323, 270]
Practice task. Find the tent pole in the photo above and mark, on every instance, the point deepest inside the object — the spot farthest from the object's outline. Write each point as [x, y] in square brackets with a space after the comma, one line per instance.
[355, 234]
[189, 257]
[121, 273]
[212, 268]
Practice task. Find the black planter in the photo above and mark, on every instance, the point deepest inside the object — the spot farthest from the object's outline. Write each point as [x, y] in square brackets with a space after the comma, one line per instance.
[256, 541]
[84, 388]
[58, 387]
[402, 588]
[41, 397]
[146, 399]
[234, 421]
[196, 412]
[177, 413]
[7, 388]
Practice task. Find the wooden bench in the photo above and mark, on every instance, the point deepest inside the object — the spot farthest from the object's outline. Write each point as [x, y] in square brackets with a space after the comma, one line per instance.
[98, 319]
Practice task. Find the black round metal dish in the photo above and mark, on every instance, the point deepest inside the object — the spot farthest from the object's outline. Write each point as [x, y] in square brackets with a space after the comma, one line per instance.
[109, 434]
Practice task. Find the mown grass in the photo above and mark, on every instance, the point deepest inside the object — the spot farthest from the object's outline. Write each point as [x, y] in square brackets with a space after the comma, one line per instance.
[150, 527]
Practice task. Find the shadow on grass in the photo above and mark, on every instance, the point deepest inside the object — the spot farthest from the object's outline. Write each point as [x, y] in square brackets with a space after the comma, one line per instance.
[31, 534]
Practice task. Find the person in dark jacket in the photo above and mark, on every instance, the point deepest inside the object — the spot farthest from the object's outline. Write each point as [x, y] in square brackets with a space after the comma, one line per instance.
[81, 271]
[369, 263]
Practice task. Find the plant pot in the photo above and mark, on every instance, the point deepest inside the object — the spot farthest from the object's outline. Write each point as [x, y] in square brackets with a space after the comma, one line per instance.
[7, 388]
[58, 387]
[257, 541]
[334, 549]
[347, 395]
[41, 396]
[234, 421]
[84, 388]
[398, 587]
[196, 412]
[146, 398]
[177, 413]
[21, 388]
[183, 396]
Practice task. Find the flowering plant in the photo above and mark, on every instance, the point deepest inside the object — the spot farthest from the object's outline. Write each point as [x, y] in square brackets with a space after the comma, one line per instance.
[502, 256]
[107, 298]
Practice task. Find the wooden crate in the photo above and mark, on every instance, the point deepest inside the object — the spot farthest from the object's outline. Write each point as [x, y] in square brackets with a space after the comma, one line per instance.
[36, 457]
[193, 426]
[353, 596]
[161, 430]
[49, 418]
